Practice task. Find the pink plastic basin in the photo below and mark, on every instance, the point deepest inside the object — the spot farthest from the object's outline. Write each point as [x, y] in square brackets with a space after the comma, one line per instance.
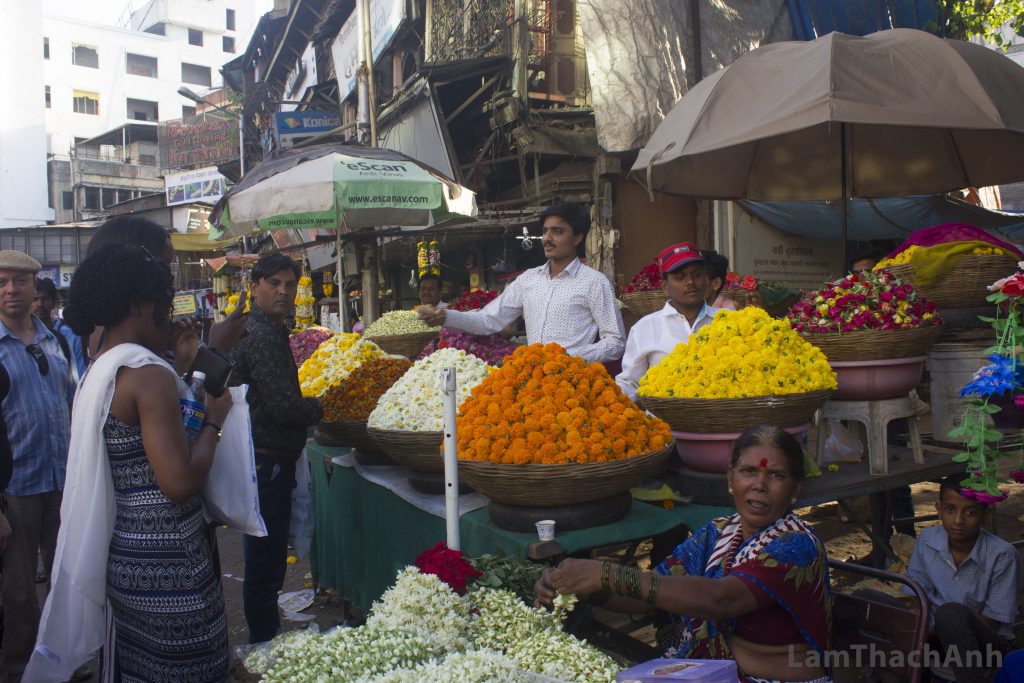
[712, 452]
[874, 380]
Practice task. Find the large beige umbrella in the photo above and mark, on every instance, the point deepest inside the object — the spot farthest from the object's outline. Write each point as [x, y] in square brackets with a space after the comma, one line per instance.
[893, 113]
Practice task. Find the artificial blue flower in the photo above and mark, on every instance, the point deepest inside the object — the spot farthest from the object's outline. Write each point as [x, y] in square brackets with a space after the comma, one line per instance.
[1002, 376]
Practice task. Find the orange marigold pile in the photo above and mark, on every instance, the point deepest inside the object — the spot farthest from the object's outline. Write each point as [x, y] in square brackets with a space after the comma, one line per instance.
[545, 406]
[355, 397]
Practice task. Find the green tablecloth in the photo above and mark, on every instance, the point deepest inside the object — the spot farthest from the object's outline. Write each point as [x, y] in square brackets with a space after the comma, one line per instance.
[365, 533]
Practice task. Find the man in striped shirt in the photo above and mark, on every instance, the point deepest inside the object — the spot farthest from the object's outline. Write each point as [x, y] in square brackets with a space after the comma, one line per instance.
[37, 416]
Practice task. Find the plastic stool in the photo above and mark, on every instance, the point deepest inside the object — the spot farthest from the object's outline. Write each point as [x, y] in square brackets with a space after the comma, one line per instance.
[875, 416]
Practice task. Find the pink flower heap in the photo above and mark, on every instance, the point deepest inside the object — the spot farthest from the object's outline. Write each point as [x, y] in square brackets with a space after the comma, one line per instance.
[306, 342]
[868, 301]
[490, 348]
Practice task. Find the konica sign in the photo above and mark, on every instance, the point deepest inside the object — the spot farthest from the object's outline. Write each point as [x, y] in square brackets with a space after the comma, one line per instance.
[296, 124]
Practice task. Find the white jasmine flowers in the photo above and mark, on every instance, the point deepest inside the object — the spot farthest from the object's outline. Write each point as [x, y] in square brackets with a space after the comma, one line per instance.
[425, 605]
[394, 323]
[415, 402]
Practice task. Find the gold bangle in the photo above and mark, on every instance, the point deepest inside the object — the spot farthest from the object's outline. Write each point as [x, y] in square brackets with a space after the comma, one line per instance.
[652, 590]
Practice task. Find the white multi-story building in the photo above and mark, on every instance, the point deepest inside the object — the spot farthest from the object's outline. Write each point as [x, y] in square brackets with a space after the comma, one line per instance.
[99, 77]
[76, 80]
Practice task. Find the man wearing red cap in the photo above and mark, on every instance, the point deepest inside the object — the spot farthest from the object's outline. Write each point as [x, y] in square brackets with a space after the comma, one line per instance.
[685, 280]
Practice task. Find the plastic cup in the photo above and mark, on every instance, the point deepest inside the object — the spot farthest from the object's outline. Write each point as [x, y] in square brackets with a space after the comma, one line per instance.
[546, 529]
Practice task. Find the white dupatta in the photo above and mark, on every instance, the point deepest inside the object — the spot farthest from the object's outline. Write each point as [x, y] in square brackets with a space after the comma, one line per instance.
[74, 620]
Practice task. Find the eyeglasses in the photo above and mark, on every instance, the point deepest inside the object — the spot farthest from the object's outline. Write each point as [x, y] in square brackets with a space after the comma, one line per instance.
[41, 362]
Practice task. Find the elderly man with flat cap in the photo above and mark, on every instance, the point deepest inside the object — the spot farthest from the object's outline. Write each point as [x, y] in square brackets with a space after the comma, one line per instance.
[684, 274]
[37, 417]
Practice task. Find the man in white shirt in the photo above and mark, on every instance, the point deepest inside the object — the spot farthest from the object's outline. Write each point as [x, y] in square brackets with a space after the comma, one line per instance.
[685, 279]
[562, 301]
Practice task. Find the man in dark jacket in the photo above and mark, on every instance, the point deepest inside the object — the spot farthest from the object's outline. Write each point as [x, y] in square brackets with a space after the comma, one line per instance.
[280, 417]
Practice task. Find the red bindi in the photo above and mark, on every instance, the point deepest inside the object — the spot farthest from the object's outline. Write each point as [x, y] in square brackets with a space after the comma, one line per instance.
[763, 463]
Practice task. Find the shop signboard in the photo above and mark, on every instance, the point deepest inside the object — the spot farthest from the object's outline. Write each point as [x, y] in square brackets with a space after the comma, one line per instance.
[202, 185]
[202, 139]
[386, 16]
[771, 254]
[185, 304]
[292, 125]
[66, 273]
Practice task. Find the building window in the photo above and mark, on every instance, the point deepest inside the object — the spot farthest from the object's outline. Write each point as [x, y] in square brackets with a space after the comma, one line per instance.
[46, 92]
[83, 55]
[68, 249]
[109, 196]
[229, 22]
[86, 103]
[195, 74]
[92, 198]
[195, 37]
[140, 65]
[229, 44]
[67, 201]
[37, 247]
[147, 160]
[142, 110]
[46, 48]
[187, 111]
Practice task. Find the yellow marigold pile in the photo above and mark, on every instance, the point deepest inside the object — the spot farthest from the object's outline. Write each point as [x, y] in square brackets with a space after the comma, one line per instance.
[740, 354]
[545, 406]
[334, 361]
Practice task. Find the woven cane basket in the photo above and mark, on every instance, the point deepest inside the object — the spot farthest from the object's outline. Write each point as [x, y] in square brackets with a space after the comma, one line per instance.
[345, 434]
[419, 451]
[644, 303]
[729, 415]
[875, 344]
[408, 345]
[966, 285]
[556, 485]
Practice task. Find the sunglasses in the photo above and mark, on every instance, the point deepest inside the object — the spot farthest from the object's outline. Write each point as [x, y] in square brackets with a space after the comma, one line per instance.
[41, 362]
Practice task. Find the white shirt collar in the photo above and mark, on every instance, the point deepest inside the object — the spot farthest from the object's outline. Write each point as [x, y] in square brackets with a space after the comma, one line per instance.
[572, 269]
[669, 310]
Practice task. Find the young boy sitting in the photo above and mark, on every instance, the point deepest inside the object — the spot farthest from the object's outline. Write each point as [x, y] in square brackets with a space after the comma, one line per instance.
[970, 577]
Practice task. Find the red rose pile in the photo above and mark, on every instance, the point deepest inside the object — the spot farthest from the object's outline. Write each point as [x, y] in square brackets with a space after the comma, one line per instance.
[647, 280]
[449, 566]
[734, 282]
[471, 301]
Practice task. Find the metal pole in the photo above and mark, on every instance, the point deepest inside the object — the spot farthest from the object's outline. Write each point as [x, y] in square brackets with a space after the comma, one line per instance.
[845, 181]
[451, 461]
[241, 146]
[371, 87]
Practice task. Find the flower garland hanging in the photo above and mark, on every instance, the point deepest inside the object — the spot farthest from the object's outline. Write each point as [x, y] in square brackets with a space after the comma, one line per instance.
[1002, 380]
[428, 258]
[328, 283]
[304, 301]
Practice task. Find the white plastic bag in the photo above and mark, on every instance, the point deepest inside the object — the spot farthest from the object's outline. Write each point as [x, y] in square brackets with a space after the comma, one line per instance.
[231, 494]
[842, 445]
[300, 532]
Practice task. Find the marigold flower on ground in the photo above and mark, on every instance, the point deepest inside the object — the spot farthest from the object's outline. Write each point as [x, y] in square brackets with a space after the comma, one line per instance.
[572, 410]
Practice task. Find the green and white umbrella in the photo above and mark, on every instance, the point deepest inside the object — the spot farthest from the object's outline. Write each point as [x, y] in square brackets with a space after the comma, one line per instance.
[339, 187]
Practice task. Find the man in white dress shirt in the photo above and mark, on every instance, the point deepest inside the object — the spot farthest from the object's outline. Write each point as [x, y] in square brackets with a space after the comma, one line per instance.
[685, 279]
[562, 301]
[430, 291]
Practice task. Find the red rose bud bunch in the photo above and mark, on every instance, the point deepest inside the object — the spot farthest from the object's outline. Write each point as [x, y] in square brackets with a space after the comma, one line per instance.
[448, 565]
[734, 282]
[471, 301]
[877, 300]
[1010, 286]
[647, 280]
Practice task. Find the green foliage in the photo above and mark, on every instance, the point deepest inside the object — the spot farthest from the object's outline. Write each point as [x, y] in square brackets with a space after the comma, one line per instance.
[965, 19]
[510, 573]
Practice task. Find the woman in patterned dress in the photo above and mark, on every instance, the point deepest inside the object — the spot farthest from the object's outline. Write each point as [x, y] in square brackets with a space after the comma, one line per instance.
[752, 587]
[166, 609]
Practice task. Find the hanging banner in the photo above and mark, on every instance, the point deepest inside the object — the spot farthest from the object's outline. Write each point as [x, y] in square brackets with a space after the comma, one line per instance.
[204, 184]
[386, 16]
[294, 125]
[203, 139]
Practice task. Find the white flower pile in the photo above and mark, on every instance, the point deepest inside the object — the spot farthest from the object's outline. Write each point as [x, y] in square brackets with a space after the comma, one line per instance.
[424, 604]
[415, 402]
[420, 630]
[394, 323]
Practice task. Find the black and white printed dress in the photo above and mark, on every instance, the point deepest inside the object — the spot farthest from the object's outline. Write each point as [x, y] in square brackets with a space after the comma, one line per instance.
[167, 606]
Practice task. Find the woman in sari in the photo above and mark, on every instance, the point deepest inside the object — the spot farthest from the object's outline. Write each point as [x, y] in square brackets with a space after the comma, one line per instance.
[752, 587]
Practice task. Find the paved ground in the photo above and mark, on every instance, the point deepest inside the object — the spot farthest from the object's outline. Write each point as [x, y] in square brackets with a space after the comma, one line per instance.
[327, 609]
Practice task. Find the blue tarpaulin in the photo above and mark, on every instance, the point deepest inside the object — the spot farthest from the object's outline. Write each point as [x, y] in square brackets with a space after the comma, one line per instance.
[886, 218]
[814, 18]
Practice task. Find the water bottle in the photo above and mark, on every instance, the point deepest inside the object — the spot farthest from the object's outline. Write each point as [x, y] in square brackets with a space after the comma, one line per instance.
[193, 410]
